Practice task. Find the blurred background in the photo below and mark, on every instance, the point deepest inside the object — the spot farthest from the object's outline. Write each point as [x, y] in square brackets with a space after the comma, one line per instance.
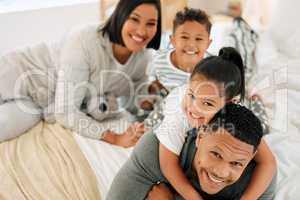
[24, 22]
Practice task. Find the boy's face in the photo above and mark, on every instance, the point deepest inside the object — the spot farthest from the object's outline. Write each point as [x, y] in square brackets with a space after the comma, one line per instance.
[220, 160]
[190, 41]
[202, 101]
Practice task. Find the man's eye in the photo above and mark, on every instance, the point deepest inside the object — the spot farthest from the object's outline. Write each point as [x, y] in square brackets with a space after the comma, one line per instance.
[215, 154]
[184, 37]
[199, 39]
[236, 164]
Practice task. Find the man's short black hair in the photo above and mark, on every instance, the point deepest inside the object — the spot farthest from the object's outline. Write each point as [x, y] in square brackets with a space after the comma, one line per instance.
[191, 14]
[113, 26]
[240, 122]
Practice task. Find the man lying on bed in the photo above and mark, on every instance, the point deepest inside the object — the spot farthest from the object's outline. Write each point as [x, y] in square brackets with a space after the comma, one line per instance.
[217, 159]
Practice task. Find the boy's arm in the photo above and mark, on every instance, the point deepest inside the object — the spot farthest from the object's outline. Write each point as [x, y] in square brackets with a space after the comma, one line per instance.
[169, 164]
[263, 173]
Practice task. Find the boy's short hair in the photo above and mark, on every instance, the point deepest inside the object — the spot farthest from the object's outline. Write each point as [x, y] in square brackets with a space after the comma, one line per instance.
[191, 14]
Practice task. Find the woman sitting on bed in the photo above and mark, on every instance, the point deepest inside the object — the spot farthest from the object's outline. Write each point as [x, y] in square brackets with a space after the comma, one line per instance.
[91, 70]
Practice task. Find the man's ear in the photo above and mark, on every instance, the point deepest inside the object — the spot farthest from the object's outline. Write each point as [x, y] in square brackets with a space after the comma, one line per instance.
[200, 136]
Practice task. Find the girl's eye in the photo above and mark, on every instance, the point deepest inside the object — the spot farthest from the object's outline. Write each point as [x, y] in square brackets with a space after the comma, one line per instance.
[192, 96]
[208, 104]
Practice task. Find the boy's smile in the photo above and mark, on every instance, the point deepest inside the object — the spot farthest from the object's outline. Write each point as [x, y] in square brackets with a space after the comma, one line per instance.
[190, 41]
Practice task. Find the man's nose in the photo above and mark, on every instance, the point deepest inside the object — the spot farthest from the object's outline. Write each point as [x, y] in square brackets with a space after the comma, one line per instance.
[222, 171]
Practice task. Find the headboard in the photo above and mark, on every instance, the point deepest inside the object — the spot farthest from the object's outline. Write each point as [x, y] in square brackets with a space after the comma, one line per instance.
[169, 9]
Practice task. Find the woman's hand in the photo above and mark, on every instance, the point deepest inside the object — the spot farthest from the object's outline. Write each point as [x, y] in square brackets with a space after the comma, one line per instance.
[160, 192]
[130, 137]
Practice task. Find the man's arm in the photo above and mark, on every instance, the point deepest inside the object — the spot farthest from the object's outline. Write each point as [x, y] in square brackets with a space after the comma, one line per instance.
[160, 192]
[263, 173]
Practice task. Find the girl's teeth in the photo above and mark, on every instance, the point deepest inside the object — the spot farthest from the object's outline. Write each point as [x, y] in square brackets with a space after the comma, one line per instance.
[190, 52]
[138, 39]
[194, 116]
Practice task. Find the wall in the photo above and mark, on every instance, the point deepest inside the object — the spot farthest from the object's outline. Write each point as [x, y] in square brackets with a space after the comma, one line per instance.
[210, 6]
[47, 24]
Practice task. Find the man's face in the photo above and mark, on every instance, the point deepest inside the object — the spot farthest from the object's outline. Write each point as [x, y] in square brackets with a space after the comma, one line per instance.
[220, 160]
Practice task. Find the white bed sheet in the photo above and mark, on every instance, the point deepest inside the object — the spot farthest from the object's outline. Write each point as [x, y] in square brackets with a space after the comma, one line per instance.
[105, 159]
[285, 147]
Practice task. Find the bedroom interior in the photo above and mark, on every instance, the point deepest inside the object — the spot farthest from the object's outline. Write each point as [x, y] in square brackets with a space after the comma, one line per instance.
[48, 161]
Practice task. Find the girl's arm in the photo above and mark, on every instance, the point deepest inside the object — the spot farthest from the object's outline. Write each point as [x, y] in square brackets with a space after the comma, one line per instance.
[169, 164]
[263, 173]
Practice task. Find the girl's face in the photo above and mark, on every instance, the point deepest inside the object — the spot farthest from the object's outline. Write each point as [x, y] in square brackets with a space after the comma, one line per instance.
[202, 101]
[140, 27]
[190, 41]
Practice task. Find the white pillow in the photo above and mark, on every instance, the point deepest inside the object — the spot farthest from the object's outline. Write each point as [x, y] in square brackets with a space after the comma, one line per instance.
[284, 27]
[219, 32]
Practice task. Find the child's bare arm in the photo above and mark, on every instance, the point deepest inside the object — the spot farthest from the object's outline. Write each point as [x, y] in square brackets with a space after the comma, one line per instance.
[169, 164]
[263, 173]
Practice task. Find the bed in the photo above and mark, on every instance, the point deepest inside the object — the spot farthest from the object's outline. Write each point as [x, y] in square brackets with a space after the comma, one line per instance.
[277, 81]
[91, 167]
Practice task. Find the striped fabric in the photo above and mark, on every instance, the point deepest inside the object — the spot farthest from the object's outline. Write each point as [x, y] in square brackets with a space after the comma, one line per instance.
[161, 68]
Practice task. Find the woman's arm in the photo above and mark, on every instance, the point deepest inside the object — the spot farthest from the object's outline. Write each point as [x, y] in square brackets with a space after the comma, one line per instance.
[72, 86]
[263, 173]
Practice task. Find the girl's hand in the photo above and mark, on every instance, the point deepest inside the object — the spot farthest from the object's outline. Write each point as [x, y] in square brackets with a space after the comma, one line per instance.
[130, 137]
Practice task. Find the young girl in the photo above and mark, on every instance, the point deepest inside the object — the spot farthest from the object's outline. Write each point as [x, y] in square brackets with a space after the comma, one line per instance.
[199, 106]
[96, 62]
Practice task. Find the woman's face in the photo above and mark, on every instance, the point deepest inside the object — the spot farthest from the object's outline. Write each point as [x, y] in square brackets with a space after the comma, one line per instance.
[202, 101]
[140, 27]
